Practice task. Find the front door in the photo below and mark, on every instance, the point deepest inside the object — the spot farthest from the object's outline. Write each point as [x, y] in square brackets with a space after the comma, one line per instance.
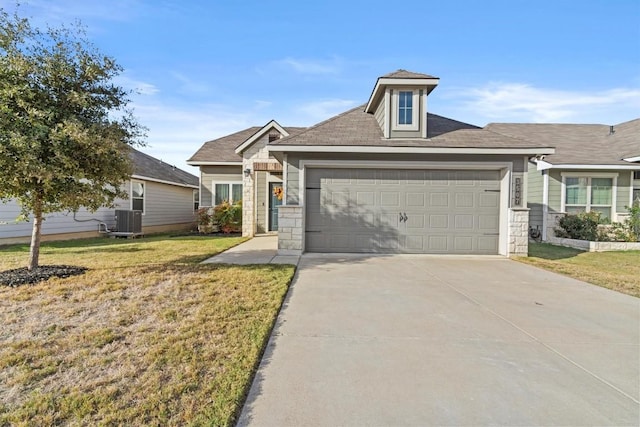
[275, 189]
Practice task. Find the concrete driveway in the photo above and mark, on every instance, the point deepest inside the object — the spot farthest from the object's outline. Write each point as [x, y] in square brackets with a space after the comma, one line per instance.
[427, 340]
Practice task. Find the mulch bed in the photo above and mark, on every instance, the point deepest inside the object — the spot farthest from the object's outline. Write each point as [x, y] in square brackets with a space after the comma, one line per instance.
[22, 276]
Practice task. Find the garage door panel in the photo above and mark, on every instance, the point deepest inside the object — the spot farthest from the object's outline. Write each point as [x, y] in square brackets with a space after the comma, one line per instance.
[438, 243]
[438, 199]
[463, 244]
[366, 199]
[389, 199]
[464, 200]
[364, 210]
[487, 244]
[438, 221]
[489, 200]
[463, 221]
[413, 199]
[415, 221]
[488, 222]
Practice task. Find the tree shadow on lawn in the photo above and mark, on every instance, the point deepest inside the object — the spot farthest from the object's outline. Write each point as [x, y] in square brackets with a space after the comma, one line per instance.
[552, 252]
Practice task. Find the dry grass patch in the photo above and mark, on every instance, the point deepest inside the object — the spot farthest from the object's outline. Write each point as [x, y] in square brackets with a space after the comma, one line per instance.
[619, 271]
[146, 336]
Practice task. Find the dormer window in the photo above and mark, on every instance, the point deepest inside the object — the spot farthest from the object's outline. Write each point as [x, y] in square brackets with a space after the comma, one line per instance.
[406, 108]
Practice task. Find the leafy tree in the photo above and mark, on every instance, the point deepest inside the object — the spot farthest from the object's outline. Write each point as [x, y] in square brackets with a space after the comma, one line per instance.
[65, 129]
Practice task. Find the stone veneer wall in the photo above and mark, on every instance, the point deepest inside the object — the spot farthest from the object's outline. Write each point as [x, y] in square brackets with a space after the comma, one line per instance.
[518, 231]
[256, 153]
[290, 230]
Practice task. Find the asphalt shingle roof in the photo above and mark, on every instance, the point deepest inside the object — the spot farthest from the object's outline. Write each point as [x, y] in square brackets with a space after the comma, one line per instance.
[146, 166]
[357, 128]
[404, 74]
[588, 144]
[223, 149]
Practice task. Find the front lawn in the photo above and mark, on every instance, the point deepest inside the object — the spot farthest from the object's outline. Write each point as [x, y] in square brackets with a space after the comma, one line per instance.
[147, 336]
[619, 271]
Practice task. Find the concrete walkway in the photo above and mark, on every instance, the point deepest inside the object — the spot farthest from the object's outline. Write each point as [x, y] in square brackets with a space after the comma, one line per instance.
[258, 250]
[464, 341]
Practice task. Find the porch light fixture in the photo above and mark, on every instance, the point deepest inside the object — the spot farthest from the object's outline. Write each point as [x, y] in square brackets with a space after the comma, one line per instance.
[247, 172]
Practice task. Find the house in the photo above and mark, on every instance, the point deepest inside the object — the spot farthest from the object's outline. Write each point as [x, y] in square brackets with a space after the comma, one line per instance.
[594, 168]
[166, 195]
[385, 177]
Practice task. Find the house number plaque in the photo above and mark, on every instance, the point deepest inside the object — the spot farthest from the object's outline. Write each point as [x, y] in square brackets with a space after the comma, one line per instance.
[517, 196]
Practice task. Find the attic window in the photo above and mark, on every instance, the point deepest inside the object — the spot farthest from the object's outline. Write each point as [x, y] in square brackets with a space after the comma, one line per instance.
[273, 136]
[405, 109]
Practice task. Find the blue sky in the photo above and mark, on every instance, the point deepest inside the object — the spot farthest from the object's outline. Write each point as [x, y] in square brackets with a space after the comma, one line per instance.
[204, 69]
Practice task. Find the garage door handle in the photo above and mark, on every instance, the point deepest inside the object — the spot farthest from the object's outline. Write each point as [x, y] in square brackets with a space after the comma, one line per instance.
[491, 191]
[403, 217]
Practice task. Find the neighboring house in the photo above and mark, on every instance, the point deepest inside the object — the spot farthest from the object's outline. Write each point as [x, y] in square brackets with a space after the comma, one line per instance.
[167, 197]
[594, 168]
[384, 177]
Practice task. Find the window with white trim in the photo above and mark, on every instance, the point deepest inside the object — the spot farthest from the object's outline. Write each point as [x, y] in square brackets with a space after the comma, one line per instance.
[589, 193]
[406, 109]
[229, 191]
[137, 196]
[636, 186]
[196, 199]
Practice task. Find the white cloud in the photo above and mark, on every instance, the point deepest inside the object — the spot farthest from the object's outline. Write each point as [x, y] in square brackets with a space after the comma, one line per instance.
[308, 66]
[137, 86]
[322, 110]
[527, 103]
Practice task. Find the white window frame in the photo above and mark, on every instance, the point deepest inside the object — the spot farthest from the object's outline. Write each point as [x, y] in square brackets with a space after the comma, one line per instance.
[415, 112]
[230, 184]
[144, 195]
[196, 200]
[588, 205]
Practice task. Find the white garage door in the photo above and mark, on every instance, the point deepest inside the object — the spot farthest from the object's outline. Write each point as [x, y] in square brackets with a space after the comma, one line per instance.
[402, 211]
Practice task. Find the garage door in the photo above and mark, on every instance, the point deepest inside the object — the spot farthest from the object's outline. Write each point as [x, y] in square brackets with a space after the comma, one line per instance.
[402, 211]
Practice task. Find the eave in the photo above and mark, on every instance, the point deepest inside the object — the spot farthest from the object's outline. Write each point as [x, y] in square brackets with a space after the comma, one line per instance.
[202, 163]
[383, 82]
[542, 165]
[161, 181]
[405, 150]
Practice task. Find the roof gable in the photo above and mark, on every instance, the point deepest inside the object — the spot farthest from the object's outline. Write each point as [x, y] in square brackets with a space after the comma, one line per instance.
[259, 134]
[399, 78]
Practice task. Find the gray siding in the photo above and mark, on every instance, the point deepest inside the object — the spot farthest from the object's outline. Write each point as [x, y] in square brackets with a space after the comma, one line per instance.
[555, 190]
[622, 195]
[164, 205]
[167, 204]
[534, 196]
[54, 223]
[379, 114]
[208, 174]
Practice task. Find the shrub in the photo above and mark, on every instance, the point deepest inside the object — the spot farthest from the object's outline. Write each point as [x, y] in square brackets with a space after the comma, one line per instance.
[583, 226]
[205, 220]
[633, 221]
[228, 217]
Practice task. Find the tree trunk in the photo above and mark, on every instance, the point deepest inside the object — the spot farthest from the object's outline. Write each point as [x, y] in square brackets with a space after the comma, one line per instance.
[34, 251]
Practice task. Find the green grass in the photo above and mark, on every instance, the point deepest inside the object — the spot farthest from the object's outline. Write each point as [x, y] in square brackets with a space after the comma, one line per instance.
[146, 336]
[617, 270]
